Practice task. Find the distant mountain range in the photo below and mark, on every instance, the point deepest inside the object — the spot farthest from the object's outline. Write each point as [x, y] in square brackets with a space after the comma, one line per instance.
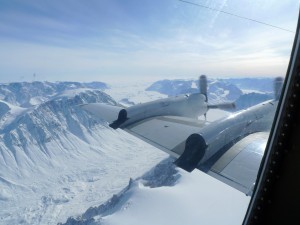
[245, 92]
[27, 136]
[27, 94]
[257, 84]
[217, 90]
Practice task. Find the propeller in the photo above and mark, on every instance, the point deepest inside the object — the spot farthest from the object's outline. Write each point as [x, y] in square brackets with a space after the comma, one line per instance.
[203, 86]
[203, 90]
[278, 83]
[223, 106]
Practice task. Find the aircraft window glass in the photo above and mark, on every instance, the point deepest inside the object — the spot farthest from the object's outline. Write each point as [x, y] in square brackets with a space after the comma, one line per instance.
[130, 112]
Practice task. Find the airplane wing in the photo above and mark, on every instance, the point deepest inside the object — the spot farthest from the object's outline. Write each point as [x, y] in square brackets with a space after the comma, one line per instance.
[229, 149]
[237, 166]
[168, 133]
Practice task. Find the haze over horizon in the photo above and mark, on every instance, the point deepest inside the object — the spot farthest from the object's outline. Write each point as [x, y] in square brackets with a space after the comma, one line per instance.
[114, 39]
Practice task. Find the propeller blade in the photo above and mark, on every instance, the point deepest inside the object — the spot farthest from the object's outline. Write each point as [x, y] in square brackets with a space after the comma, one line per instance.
[224, 106]
[278, 82]
[203, 85]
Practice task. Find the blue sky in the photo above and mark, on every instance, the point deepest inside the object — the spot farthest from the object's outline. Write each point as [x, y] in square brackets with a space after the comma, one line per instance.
[85, 40]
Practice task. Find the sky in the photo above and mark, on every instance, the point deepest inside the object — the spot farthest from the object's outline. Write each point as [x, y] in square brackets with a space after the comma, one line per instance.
[87, 40]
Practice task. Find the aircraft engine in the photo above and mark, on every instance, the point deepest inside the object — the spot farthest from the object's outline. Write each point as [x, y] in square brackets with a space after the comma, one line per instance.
[203, 90]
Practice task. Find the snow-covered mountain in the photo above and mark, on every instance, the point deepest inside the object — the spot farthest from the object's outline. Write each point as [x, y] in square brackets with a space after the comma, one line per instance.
[168, 195]
[218, 91]
[245, 92]
[250, 99]
[55, 156]
[58, 161]
[24, 139]
[27, 94]
[263, 84]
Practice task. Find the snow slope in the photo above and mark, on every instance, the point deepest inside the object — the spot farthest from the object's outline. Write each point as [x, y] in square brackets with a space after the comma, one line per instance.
[9, 112]
[249, 99]
[168, 195]
[57, 160]
[133, 92]
[26, 94]
[260, 84]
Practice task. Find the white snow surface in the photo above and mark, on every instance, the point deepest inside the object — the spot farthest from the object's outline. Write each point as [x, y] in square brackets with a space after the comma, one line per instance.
[195, 199]
[133, 92]
[57, 161]
[169, 195]
[75, 178]
[9, 113]
[73, 92]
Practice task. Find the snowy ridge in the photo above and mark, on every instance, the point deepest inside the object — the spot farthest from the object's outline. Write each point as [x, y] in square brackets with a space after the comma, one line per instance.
[252, 98]
[218, 91]
[55, 156]
[263, 84]
[49, 122]
[163, 174]
[243, 91]
[26, 94]
[4, 108]
[168, 195]
[9, 113]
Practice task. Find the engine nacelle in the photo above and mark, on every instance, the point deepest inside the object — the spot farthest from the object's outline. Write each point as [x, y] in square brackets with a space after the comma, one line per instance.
[109, 113]
[190, 106]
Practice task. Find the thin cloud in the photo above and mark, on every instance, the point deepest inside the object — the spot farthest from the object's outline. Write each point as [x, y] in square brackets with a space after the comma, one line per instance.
[69, 39]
